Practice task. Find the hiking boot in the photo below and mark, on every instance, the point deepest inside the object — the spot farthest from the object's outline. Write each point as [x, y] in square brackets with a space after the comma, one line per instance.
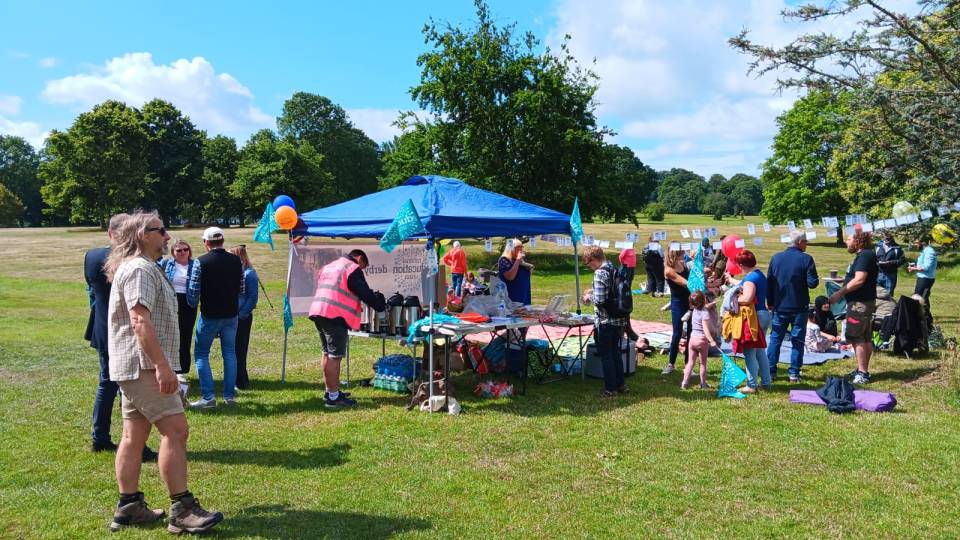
[861, 378]
[668, 369]
[340, 402]
[134, 513]
[204, 404]
[186, 515]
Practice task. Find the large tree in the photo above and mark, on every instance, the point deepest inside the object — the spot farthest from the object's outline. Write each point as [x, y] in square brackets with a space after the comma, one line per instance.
[220, 161]
[11, 209]
[508, 118]
[174, 156]
[681, 191]
[349, 157]
[97, 167]
[746, 194]
[410, 153]
[901, 75]
[18, 172]
[270, 166]
[795, 180]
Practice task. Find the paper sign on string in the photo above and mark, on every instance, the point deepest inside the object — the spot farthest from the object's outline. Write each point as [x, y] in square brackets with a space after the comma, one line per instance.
[674, 246]
[902, 220]
[785, 238]
[956, 205]
[867, 227]
[913, 218]
[684, 233]
[660, 236]
[878, 224]
[697, 234]
[811, 235]
[653, 246]
[717, 246]
[889, 223]
[807, 224]
[751, 229]
[848, 230]
[623, 245]
[533, 242]
[926, 214]
[603, 243]
[943, 210]
[832, 233]
[739, 243]
[631, 237]
[758, 240]
[487, 245]
[685, 246]
[791, 226]
[766, 227]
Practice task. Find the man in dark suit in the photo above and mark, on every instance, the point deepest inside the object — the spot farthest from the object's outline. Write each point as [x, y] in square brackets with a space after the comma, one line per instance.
[221, 282]
[96, 334]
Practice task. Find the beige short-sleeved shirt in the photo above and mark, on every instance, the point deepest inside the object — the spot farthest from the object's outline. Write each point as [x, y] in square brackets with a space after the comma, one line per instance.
[140, 281]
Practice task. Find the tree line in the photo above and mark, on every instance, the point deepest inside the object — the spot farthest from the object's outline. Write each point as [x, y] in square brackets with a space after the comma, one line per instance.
[501, 114]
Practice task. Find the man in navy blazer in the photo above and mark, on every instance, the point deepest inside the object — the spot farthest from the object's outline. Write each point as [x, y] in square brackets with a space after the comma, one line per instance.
[96, 334]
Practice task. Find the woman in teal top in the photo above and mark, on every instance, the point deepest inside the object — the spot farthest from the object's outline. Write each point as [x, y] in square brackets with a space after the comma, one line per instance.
[925, 267]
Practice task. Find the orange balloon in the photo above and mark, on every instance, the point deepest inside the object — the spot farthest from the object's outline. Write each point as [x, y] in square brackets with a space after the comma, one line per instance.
[286, 217]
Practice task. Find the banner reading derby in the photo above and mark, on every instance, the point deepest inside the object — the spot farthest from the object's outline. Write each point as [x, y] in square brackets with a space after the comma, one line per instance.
[402, 270]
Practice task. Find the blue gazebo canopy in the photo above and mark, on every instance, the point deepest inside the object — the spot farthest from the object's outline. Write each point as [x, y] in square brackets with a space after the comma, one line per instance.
[448, 208]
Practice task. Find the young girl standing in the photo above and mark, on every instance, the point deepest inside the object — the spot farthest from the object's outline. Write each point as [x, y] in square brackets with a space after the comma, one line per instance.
[701, 339]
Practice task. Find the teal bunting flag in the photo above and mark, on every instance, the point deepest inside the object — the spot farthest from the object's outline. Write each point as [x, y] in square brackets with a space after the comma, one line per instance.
[287, 314]
[576, 226]
[731, 377]
[697, 280]
[404, 225]
[266, 227]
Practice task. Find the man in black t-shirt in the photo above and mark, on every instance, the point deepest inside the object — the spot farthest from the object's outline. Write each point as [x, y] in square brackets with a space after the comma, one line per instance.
[860, 291]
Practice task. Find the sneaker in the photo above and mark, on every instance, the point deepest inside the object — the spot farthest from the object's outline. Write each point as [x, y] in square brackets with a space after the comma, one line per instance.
[853, 374]
[668, 369]
[684, 386]
[186, 515]
[230, 402]
[149, 455]
[342, 401]
[134, 513]
[605, 394]
[326, 395]
[108, 446]
[204, 404]
[795, 380]
[705, 386]
[861, 378]
[181, 378]
[666, 307]
[747, 390]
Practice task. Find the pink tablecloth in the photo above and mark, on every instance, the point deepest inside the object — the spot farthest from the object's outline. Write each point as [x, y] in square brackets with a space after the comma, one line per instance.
[557, 332]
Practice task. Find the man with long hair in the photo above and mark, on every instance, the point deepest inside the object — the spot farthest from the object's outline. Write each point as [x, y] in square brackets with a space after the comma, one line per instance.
[143, 338]
[860, 290]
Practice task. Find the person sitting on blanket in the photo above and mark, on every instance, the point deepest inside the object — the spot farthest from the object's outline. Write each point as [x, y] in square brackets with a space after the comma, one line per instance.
[825, 319]
[817, 340]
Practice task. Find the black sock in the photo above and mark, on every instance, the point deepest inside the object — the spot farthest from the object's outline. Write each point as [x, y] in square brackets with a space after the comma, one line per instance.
[178, 496]
[127, 498]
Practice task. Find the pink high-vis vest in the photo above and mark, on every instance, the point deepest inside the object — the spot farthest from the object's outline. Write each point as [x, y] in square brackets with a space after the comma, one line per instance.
[333, 299]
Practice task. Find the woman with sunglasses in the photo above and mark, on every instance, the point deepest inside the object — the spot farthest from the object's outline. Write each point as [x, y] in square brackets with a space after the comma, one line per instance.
[183, 271]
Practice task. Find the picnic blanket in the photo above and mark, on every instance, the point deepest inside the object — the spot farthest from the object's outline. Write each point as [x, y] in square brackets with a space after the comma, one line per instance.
[809, 358]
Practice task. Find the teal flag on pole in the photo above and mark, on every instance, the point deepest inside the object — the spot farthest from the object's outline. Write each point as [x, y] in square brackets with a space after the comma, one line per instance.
[697, 280]
[266, 227]
[576, 226]
[287, 314]
[730, 378]
[404, 225]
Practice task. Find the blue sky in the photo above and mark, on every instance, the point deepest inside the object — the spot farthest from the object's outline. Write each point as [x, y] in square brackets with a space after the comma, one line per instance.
[670, 86]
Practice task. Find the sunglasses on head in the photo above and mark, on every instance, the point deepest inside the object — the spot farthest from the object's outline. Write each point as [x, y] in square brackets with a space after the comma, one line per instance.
[161, 230]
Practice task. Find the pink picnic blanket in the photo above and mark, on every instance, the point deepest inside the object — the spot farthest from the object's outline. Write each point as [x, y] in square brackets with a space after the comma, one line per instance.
[554, 333]
[864, 400]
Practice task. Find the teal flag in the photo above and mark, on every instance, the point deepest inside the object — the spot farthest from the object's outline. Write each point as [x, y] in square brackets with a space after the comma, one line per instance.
[697, 280]
[731, 377]
[266, 226]
[287, 314]
[576, 226]
[404, 225]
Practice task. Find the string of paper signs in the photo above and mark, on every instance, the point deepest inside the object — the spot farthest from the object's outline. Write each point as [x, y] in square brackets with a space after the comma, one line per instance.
[905, 214]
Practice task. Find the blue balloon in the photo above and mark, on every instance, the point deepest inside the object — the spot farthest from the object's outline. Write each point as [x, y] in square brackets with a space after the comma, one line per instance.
[283, 200]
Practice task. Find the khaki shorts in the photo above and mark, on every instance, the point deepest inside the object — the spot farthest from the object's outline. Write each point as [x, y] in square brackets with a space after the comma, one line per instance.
[860, 321]
[142, 398]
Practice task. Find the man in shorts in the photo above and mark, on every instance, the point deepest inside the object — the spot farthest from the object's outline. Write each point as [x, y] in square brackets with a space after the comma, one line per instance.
[336, 310]
[860, 291]
[144, 343]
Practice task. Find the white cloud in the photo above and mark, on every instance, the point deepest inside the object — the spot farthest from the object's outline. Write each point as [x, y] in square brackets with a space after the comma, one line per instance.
[672, 87]
[31, 131]
[49, 62]
[214, 101]
[10, 105]
[376, 123]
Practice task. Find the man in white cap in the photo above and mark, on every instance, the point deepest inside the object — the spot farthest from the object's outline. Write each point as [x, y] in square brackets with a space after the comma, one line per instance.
[221, 282]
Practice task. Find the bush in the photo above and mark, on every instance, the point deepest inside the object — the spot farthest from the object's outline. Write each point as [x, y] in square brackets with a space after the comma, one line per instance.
[655, 211]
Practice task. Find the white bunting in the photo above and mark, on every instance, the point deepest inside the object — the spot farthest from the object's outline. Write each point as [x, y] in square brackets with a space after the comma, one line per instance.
[943, 210]
[867, 227]
[807, 224]
[766, 227]
[697, 234]
[685, 246]
[758, 241]
[878, 224]
[674, 246]
[811, 235]
[684, 233]
[791, 226]
[533, 242]
[832, 233]
[718, 246]
[739, 243]
[785, 238]
[487, 245]
[926, 214]
[603, 243]
[751, 229]
[889, 223]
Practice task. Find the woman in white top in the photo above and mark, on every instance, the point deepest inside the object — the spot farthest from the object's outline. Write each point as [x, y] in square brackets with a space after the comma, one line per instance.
[183, 271]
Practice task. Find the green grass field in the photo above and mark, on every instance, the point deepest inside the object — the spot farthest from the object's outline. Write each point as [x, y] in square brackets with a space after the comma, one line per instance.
[556, 463]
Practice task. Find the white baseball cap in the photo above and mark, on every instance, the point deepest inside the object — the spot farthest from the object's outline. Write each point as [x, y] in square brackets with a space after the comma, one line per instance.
[213, 233]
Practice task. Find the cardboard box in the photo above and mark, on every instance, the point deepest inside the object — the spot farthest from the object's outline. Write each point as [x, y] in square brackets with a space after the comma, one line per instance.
[628, 353]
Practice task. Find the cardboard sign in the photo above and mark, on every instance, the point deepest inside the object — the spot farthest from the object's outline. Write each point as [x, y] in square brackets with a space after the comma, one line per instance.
[685, 246]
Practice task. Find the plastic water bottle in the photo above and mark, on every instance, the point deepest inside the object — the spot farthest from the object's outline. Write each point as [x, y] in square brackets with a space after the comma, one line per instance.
[502, 309]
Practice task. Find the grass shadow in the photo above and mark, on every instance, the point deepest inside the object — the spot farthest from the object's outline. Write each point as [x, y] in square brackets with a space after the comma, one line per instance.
[279, 521]
[313, 458]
